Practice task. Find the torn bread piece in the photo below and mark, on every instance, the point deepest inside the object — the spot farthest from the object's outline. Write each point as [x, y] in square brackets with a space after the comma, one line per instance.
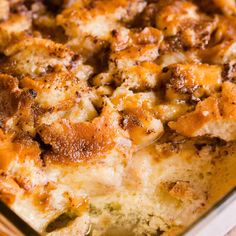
[13, 29]
[85, 141]
[215, 116]
[40, 55]
[90, 24]
[98, 18]
[190, 81]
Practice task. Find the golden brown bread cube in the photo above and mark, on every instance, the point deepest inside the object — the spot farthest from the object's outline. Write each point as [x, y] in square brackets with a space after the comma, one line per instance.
[215, 116]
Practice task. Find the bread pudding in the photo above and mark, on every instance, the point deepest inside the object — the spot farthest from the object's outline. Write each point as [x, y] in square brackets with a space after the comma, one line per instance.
[117, 117]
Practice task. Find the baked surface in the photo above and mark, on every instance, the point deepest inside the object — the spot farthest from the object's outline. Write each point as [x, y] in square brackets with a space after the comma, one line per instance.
[117, 117]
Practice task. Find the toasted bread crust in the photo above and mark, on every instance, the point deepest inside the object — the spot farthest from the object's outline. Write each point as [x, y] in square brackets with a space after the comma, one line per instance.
[213, 110]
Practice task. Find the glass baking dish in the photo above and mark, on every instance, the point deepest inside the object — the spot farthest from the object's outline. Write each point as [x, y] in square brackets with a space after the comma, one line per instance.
[217, 221]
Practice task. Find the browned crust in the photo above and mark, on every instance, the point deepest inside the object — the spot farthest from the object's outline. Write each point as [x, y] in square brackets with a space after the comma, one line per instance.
[9, 96]
[212, 110]
[81, 142]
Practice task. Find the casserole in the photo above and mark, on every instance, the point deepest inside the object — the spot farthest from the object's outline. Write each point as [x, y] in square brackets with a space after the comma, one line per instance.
[117, 116]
